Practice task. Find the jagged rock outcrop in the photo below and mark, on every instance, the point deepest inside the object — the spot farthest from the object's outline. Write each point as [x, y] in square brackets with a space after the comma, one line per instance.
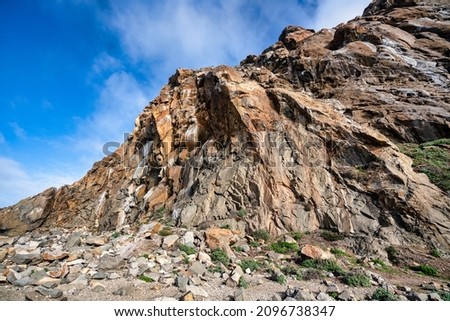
[299, 138]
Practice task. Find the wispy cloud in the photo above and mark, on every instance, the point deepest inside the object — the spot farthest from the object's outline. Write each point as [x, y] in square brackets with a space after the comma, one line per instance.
[121, 99]
[18, 131]
[2, 138]
[192, 34]
[330, 13]
[18, 182]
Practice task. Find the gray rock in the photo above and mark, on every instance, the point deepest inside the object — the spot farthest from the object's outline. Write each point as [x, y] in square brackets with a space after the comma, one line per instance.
[3, 255]
[276, 297]
[434, 297]
[414, 296]
[188, 238]
[346, 295]
[181, 282]
[197, 268]
[127, 290]
[25, 257]
[322, 296]
[100, 275]
[52, 293]
[404, 288]
[289, 299]
[73, 241]
[108, 262]
[169, 241]
[304, 295]
[197, 291]
[113, 276]
[96, 240]
[240, 295]
[333, 288]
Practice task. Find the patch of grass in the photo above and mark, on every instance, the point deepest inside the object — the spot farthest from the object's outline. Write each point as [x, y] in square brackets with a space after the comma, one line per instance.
[332, 236]
[250, 264]
[379, 262]
[357, 280]
[382, 294]
[146, 278]
[166, 231]
[334, 295]
[445, 296]
[215, 269]
[431, 158]
[242, 212]
[189, 250]
[284, 247]
[425, 269]
[281, 279]
[296, 236]
[243, 283]
[325, 265]
[145, 255]
[338, 252]
[435, 252]
[254, 244]
[219, 255]
[392, 254]
[238, 248]
[293, 270]
[115, 235]
[226, 227]
[261, 235]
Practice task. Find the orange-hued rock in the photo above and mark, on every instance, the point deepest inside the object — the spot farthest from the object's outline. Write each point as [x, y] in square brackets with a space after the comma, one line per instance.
[314, 252]
[300, 138]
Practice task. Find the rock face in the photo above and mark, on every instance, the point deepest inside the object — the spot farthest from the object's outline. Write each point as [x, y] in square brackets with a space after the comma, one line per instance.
[299, 138]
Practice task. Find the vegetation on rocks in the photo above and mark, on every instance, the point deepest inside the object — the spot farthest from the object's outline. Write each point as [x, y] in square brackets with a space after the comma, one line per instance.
[357, 280]
[219, 255]
[382, 294]
[433, 159]
[189, 250]
[284, 247]
[332, 236]
[249, 264]
[261, 235]
[425, 269]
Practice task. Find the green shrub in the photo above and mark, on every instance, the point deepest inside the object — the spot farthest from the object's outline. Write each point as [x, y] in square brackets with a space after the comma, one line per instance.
[254, 244]
[425, 269]
[219, 255]
[281, 279]
[165, 231]
[392, 254]
[379, 262]
[382, 294]
[284, 247]
[215, 269]
[146, 278]
[189, 250]
[261, 235]
[238, 248]
[293, 270]
[297, 236]
[326, 265]
[338, 252]
[145, 255]
[445, 296]
[243, 283]
[115, 235]
[242, 212]
[435, 252]
[357, 280]
[226, 227]
[331, 236]
[249, 264]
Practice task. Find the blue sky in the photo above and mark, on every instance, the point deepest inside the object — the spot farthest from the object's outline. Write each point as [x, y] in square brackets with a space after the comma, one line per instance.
[74, 74]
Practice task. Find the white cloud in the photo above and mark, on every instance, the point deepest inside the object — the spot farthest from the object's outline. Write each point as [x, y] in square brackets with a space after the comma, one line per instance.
[18, 182]
[105, 63]
[2, 138]
[18, 131]
[120, 101]
[191, 34]
[332, 12]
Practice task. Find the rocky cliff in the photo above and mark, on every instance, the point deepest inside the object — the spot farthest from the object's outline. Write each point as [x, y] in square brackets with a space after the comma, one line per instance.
[302, 137]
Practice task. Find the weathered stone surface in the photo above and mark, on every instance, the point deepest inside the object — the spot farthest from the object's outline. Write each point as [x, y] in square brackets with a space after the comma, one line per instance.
[52, 293]
[55, 255]
[197, 291]
[300, 138]
[197, 268]
[170, 241]
[314, 252]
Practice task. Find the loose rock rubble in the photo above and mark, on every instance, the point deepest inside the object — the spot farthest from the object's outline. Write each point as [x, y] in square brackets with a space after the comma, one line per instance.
[143, 265]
